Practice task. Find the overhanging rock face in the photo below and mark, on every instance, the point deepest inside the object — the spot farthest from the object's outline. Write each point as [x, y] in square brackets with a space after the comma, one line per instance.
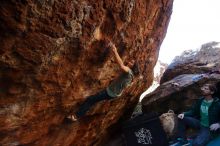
[53, 56]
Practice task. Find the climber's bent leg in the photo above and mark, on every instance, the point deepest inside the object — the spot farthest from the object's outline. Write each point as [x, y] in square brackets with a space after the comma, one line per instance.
[90, 101]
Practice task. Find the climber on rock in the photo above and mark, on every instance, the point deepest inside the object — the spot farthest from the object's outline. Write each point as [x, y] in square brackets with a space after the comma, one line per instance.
[115, 88]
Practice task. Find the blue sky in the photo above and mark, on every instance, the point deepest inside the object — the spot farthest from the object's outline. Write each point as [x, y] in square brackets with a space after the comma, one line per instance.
[193, 23]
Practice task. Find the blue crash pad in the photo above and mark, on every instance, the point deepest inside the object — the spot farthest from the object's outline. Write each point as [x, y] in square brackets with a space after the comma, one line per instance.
[215, 142]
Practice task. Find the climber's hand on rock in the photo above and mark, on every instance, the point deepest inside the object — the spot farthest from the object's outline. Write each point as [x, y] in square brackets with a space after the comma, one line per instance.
[180, 116]
[108, 42]
[112, 47]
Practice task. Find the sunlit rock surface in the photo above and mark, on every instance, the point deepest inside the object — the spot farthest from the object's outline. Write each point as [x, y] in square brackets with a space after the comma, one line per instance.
[181, 82]
[53, 55]
[159, 69]
[203, 60]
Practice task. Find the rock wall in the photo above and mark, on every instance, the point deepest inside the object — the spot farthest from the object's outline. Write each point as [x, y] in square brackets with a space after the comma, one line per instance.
[53, 55]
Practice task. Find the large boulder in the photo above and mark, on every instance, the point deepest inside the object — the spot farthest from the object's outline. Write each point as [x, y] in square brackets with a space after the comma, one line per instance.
[178, 94]
[181, 82]
[53, 56]
[203, 60]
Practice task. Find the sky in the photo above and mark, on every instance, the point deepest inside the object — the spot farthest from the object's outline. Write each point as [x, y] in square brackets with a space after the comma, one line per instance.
[193, 23]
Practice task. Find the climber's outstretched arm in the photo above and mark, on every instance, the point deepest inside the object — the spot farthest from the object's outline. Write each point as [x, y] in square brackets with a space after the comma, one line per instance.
[118, 58]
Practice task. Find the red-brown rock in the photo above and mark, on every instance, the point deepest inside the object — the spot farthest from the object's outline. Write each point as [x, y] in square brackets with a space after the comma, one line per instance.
[53, 55]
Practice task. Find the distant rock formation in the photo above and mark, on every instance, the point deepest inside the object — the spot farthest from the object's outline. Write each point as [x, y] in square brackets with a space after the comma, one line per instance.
[203, 60]
[53, 55]
[159, 69]
[183, 78]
